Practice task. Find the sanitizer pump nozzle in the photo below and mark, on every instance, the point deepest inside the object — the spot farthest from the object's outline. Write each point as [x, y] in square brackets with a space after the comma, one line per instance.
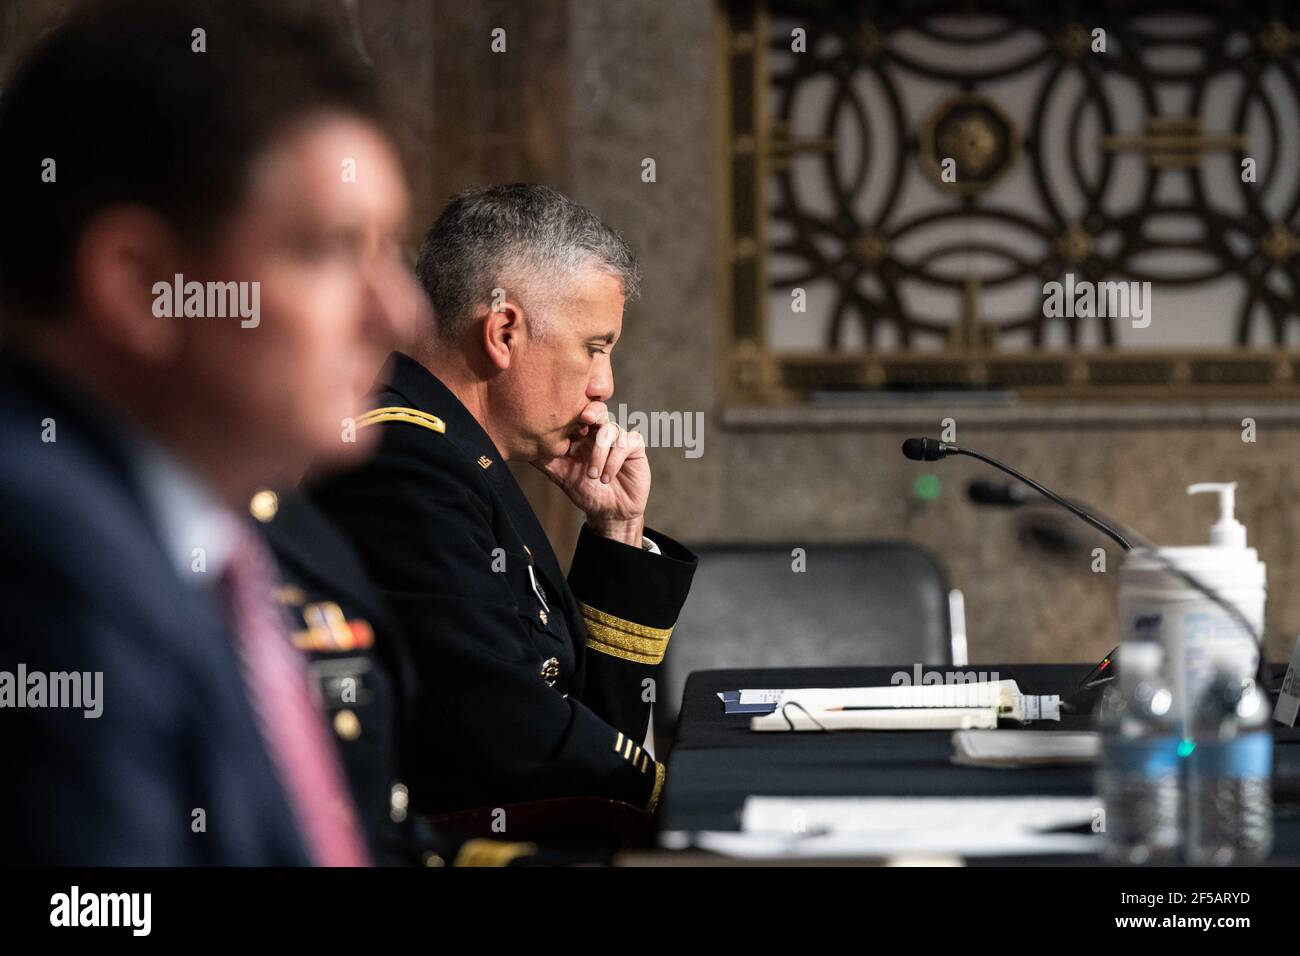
[1228, 532]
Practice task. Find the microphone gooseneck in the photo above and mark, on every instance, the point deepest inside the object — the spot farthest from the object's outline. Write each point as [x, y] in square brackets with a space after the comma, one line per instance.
[930, 449]
[1048, 493]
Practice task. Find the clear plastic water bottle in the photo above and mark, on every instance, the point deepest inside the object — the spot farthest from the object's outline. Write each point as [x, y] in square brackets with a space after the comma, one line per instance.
[1229, 773]
[1138, 775]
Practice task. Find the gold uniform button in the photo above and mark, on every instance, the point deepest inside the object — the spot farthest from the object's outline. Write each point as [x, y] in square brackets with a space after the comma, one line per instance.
[347, 725]
[551, 671]
[398, 801]
[264, 505]
[433, 859]
[288, 594]
[541, 616]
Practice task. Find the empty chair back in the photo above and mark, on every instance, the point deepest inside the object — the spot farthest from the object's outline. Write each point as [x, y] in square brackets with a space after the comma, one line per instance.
[787, 605]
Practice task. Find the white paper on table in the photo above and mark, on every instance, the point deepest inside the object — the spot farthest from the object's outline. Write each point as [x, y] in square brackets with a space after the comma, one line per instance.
[769, 846]
[1002, 694]
[760, 696]
[954, 816]
[791, 717]
[975, 694]
[1024, 748]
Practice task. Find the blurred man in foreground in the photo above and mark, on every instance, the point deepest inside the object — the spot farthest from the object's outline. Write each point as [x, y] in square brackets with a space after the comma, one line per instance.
[195, 296]
[531, 686]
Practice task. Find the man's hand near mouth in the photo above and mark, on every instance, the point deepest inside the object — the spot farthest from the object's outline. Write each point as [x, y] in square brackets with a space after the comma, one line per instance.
[606, 473]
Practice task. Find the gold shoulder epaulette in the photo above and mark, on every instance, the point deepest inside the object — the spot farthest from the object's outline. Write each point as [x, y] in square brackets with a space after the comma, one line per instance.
[396, 413]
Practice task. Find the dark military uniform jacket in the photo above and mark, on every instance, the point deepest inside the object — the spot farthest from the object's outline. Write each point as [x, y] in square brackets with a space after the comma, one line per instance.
[334, 615]
[529, 686]
[357, 654]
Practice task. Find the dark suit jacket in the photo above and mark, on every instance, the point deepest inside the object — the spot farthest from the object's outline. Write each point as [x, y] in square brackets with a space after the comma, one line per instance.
[530, 687]
[86, 585]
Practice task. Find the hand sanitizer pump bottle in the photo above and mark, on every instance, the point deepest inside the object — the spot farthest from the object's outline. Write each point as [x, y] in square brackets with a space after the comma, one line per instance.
[1200, 636]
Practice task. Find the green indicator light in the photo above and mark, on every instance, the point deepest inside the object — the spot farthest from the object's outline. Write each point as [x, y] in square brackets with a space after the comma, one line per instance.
[926, 487]
[1186, 746]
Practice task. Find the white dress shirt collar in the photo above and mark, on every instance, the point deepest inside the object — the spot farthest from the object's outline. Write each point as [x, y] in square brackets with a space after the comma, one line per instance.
[197, 530]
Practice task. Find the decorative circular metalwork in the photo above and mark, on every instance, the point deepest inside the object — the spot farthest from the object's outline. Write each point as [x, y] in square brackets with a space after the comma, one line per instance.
[976, 135]
[848, 135]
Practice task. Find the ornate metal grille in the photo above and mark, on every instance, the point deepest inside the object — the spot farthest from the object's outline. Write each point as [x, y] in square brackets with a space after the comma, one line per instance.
[1171, 155]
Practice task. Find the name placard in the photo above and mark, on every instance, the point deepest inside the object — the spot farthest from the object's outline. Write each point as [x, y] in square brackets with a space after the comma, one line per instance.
[1288, 702]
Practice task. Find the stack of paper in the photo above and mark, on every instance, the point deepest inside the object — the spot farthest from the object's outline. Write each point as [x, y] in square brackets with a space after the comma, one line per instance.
[1023, 748]
[803, 815]
[793, 716]
[884, 827]
[979, 704]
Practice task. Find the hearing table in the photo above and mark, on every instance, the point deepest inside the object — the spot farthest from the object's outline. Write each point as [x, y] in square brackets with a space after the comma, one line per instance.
[717, 761]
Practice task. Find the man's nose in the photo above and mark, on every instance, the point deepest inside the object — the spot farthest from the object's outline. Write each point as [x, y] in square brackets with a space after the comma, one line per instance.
[392, 305]
[601, 385]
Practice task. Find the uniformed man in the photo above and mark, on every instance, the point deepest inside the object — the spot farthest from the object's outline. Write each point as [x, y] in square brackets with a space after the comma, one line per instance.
[531, 686]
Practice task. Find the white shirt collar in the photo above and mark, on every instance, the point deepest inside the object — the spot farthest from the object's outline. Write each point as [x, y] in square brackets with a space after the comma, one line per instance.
[198, 531]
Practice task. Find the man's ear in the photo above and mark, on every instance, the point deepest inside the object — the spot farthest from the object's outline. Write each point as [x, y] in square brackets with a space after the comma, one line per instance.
[503, 328]
[119, 257]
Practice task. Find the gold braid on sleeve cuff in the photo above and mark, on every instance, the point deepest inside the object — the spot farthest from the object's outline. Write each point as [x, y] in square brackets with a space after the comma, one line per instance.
[624, 639]
[483, 852]
[660, 774]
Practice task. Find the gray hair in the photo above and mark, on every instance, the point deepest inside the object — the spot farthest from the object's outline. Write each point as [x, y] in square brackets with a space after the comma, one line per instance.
[518, 237]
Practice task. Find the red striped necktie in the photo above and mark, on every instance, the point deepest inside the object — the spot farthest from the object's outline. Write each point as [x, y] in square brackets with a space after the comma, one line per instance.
[287, 707]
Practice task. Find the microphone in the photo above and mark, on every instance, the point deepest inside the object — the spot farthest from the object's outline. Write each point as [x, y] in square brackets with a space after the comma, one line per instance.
[929, 449]
[1001, 494]
[1043, 531]
[1048, 534]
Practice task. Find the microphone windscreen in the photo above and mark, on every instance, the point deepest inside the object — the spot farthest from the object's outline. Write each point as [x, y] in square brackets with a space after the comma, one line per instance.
[918, 449]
